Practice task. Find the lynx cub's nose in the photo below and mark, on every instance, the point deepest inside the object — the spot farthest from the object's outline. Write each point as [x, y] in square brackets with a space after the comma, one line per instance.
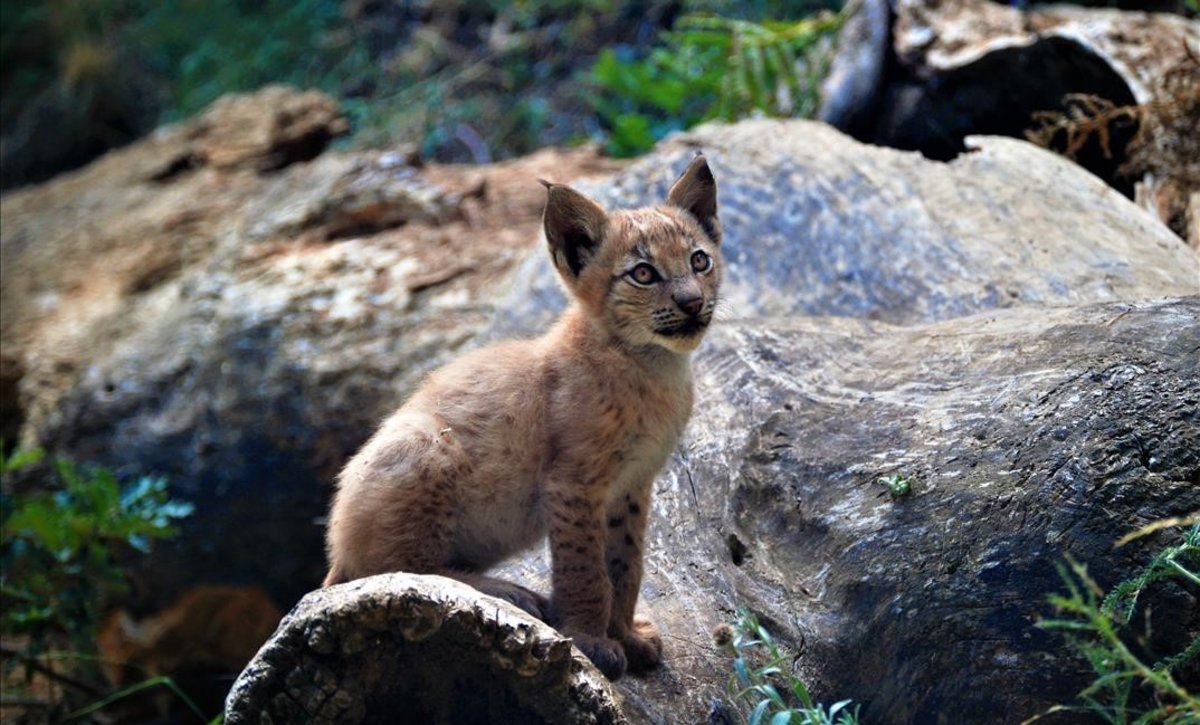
[690, 305]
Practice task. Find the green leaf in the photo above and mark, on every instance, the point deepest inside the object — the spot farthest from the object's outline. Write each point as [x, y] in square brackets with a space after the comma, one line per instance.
[21, 459]
[772, 694]
[739, 668]
[801, 692]
[756, 715]
[782, 718]
[760, 85]
[59, 554]
[631, 134]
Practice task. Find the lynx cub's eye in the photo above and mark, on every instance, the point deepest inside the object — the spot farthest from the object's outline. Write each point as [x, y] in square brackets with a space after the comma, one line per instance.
[644, 274]
[701, 262]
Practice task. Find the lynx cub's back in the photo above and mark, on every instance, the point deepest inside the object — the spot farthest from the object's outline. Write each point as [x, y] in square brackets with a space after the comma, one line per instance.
[563, 434]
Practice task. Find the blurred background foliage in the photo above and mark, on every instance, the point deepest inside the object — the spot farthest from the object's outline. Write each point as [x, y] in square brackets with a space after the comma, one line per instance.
[68, 531]
[462, 80]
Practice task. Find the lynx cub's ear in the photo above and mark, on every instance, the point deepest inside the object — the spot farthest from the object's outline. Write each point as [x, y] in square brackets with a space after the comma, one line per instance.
[575, 226]
[696, 192]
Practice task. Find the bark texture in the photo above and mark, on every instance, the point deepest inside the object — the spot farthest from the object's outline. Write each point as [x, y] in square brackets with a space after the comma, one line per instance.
[420, 649]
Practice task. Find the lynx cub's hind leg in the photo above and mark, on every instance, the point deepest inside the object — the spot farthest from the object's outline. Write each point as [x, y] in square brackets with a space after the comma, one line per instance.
[404, 512]
[401, 514]
[528, 600]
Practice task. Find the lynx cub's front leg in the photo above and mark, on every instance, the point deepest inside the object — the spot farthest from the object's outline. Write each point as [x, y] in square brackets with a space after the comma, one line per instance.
[563, 433]
[627, 521]
[582, 598]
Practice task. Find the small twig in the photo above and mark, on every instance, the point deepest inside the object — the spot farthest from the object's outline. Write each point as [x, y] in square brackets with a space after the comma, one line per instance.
[438, 277]
[50, 672]
[133, 690]
[1114, 318]
[18, 701]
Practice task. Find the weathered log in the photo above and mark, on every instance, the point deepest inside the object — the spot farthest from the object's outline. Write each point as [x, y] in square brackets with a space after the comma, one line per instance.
[421, 649]
[1005, 61]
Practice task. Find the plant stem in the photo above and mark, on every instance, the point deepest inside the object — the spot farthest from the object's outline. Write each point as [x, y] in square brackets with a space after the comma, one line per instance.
[50, 672]
[133, 690]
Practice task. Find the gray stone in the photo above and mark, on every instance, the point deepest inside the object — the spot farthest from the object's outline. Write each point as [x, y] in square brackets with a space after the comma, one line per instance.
[1030, 433]
[819, 224]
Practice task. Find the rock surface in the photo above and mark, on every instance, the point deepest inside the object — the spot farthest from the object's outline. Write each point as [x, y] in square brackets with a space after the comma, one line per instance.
[820, 224]
[971, 323]
[1031, 434]
[242, 332]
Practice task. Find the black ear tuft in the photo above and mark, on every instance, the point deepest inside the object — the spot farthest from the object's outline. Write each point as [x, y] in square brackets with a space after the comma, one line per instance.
[696, 192]
[574, 227]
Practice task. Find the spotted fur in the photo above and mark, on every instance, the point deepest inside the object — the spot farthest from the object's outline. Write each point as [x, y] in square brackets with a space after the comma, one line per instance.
[561, 435]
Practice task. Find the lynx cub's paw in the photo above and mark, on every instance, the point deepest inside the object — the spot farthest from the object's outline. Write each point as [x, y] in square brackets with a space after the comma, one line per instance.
[605, 653]
[643, 646]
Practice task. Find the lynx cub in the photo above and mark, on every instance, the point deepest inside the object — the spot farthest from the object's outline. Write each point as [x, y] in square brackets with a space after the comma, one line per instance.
[564, 433]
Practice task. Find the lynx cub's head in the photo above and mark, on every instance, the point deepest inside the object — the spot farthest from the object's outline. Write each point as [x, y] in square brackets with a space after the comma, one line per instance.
[651, 275]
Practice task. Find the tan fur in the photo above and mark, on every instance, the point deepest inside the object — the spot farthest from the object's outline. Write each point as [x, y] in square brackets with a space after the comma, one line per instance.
[212, 627]
[562, 434]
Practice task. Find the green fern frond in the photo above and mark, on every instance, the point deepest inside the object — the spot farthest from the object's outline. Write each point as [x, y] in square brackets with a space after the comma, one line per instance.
[1095, 625]
[720, 68]
[763, 60]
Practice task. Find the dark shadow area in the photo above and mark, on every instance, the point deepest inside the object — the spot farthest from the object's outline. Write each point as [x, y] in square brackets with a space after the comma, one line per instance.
[998, 95]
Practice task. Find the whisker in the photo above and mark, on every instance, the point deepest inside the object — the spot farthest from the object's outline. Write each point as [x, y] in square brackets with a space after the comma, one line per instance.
[725, 311]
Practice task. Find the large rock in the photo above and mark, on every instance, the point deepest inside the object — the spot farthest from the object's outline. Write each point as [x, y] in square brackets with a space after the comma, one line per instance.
[242, 332]
[820, 224]
[1031, 434]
